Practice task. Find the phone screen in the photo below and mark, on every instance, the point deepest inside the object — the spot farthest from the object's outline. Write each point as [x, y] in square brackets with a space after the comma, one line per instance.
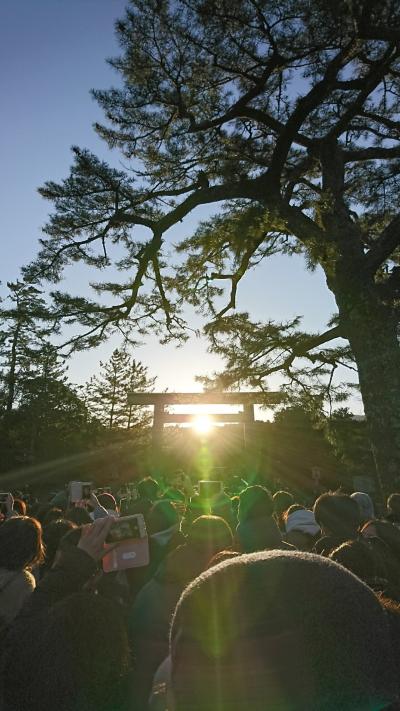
[123, 529]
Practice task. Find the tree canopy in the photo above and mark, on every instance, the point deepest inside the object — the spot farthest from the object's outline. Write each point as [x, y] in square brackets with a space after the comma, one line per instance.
[287, 113]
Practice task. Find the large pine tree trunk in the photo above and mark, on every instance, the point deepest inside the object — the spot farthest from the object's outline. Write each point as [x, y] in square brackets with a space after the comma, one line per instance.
[372, 332]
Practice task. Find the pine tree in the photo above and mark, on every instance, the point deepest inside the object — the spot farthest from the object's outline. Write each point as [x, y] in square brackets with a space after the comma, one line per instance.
[25, 323]
[107, 393]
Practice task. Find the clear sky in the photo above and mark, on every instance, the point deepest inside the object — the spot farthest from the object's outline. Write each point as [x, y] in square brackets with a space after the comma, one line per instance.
[52, 52]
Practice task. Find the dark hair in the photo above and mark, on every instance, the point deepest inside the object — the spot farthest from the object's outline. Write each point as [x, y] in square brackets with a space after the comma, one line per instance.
[41, 510]
[221, 556]
[52, 535]
[54, 514]
[148, 488]
[388, 533]
[393, 503]
[78, 515]
[162, 515]
[282, 501]
[20, 543]
[280, 630]
[20, 507]
[255, 502]
[357, 557]
[337, 514]
[107, 501]
[210, 534]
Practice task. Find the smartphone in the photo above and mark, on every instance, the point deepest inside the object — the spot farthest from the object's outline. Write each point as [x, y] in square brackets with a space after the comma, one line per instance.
[3, 502]
[127, 527]
[124, 505]
[127, 544]
[209, 489]
[80, 490]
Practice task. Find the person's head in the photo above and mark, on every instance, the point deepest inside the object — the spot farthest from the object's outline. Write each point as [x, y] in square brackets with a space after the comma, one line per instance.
[20, 543]
[208, 535]
[148, 489]
[357, 557]
[386, 531]
[280, 630]
[107, 501]
[19, 506]
[282, 501]
[52, 535]
[162, 515]
[301, 528]
[393, 504]
[255, 502]
[78, 515]
[195, 508]
[173, 494]
[53, 514]
[76, 661]
[221, 505]
[337, 515]
[365, 505]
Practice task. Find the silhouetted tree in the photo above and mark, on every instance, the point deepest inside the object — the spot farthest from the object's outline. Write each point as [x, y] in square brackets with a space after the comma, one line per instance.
[288, 113]
[107, 393]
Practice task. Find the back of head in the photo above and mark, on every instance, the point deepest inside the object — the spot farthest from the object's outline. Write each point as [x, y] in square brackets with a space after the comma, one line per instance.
[337, 515]
[162, 515]
[76, 661]
[52, 535]
[54, 514]
[107, 501]
[365, 505]
[20, 543]
[280, 630]
[255, 502]
[78, 515]
[148, 488]
[208, 535]
[357, 557]
[393, 504]
[282, 501]
[221, 505]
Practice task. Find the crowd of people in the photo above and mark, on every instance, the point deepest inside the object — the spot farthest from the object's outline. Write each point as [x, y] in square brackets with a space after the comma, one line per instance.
[249, 600]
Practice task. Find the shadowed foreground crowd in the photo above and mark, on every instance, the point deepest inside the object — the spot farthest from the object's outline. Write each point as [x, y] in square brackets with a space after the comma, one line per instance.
[249, 602]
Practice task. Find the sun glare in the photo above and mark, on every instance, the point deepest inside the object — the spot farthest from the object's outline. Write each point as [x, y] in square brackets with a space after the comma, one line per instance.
[202, 424]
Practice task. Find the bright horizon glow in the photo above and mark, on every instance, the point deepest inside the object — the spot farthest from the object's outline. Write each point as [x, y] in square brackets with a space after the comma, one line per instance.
[202, 424]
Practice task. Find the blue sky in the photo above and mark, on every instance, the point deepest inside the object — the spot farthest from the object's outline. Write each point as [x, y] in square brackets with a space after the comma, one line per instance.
[52, 52]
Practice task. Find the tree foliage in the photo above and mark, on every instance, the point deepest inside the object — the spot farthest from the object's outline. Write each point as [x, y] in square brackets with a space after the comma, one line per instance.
[107, 393]
[285, 112]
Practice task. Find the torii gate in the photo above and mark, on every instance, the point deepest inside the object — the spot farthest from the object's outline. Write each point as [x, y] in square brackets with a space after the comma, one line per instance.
[160, 400]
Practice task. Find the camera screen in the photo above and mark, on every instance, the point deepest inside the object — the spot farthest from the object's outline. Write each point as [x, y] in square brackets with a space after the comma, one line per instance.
[123, 529]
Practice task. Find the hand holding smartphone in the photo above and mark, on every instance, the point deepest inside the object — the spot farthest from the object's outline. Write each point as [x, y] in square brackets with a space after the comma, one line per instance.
[126, 544]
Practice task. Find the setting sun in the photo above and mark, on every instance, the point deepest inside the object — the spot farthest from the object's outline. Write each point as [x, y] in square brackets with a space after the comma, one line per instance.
[202, 424]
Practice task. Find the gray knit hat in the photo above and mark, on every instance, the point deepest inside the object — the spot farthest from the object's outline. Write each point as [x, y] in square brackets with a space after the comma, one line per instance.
[281, 631]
